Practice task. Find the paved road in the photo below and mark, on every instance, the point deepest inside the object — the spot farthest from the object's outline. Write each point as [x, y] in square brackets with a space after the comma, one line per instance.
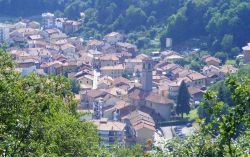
[167, 132]
[160, 141]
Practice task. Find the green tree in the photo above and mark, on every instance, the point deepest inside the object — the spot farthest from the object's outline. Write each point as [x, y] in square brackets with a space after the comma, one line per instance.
[134, 17]
[38, 116]
[183, 100]
[222, 56]
[227, 42]
[196, 66]
[224, 131]
[227, 124]
[75, 86]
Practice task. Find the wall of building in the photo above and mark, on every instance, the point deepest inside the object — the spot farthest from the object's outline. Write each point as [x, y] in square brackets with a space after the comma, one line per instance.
[163, 109]
[143, 135]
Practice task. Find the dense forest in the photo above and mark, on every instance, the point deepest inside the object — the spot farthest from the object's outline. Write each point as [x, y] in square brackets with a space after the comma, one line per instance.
[223, 25]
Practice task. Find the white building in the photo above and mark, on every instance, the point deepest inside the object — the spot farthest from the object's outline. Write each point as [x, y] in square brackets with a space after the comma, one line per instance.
[110, 132]
[48, 20]
[4, 33]
[59, 23]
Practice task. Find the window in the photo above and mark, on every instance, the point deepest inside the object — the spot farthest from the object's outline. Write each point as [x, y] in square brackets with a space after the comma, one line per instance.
[149, 66]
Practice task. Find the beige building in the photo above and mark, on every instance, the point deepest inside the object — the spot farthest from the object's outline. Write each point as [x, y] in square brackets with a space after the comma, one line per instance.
[34, 25]
[133, 65]
[209, 60]
[161, 105]
[69, 51]
[198, 80]
[112, 71]
[108, 60]
[110, 132]
[140, 125]
[95, 44]
[89, 96]
[86, 81]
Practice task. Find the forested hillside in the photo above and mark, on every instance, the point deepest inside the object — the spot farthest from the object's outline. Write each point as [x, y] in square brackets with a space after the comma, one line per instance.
[223, 24]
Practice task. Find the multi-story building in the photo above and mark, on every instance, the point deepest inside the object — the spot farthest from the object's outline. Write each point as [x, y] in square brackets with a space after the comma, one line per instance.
[111, 132]
[113, 71]
[4, 33]
[48, 20]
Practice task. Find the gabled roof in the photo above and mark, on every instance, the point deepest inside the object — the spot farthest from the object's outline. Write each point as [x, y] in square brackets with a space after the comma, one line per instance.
[121, 80]
[139, 120]
[196, 76]
[157, 98]
[95, 93]
[138, 94]
[108, 57]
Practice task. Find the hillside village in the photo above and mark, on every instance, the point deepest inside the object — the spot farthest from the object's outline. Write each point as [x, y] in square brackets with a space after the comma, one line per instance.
[126, 92]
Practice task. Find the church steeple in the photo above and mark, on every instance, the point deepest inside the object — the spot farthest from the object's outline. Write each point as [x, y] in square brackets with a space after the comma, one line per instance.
[147, 76]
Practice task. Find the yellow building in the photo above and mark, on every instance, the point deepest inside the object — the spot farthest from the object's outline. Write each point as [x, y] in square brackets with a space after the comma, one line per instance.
[113, 71]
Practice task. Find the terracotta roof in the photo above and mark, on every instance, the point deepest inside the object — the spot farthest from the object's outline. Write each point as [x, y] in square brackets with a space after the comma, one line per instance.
[177, 70]
[196, 76]
[170, 67]
[121, 104]
[95, 93]
[121, 80]
[137, 94]
[210, 58]
[66, 46]
[109, 57]
[157, 98]
[116, 67]
[139, 120]
[141, 56]
[95, 42]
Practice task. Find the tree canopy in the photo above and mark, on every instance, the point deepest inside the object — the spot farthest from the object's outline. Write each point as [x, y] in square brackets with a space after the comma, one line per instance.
[183, 98]
[222, 24]
[224, 131]
[38, 116]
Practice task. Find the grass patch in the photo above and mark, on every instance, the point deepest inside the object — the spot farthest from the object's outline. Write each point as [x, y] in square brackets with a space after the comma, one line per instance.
[193, 115]
[230, 61]
[190, 118]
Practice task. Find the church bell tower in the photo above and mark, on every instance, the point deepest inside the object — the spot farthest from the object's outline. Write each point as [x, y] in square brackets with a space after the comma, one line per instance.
[147, 76]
